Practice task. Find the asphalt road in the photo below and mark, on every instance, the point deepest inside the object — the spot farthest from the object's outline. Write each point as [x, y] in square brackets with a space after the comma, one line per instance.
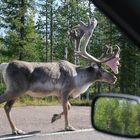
[36, 121]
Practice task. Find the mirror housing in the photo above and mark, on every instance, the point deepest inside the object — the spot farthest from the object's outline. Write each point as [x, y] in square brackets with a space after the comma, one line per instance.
[116, 114]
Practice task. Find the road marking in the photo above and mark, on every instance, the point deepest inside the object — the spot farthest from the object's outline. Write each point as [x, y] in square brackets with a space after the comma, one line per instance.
[46, 134]
[65, 132]
[30, 134]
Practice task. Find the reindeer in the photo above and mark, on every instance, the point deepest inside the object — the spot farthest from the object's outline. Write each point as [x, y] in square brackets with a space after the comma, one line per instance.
[62, 79]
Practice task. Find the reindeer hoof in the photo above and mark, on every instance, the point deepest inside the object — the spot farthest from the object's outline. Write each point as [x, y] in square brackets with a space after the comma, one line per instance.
[70, 128]
[18, 132]
[55, 117]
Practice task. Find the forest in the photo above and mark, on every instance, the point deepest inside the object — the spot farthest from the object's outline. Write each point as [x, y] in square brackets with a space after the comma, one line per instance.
[37, 30]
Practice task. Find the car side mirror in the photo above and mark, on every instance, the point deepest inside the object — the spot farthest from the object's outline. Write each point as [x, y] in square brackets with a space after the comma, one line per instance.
[116, 114]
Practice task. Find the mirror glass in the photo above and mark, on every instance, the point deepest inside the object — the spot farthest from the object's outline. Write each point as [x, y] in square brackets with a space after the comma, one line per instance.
[117, 116]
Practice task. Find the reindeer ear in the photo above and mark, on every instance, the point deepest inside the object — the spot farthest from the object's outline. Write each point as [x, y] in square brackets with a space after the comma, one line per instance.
[95, 66]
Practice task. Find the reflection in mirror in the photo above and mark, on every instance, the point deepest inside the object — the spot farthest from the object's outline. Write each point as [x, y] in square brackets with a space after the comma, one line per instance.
[117, 115]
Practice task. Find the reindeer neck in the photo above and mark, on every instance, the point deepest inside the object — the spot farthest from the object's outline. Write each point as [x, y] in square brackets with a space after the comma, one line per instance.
[86, 75]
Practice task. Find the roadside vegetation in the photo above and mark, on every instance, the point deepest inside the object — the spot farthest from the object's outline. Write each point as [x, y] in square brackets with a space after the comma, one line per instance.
[119, 116]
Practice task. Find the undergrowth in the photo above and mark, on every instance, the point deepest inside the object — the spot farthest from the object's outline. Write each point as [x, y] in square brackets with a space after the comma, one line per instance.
[47, 101]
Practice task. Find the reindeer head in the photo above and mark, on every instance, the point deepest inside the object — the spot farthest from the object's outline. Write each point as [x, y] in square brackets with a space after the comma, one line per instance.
[82, 34]
[98, 73]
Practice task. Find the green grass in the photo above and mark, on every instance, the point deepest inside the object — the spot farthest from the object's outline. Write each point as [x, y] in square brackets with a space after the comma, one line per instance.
[47, 101]
[78, 102]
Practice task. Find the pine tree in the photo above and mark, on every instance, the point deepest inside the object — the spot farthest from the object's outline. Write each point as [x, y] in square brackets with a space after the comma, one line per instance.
[19, 20]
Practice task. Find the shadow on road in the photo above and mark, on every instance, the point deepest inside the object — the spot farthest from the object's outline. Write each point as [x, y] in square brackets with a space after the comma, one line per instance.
[13, 137]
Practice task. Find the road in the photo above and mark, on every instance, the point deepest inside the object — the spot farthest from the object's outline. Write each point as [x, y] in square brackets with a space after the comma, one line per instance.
[36, 120]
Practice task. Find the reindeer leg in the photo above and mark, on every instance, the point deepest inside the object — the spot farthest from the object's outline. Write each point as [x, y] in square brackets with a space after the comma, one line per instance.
[65, 102]
[58, 116]
[10, 98]
[7, 108]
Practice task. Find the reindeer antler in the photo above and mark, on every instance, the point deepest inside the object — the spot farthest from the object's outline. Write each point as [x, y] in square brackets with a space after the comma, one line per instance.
[114, 62]
[81, 34]
[107, 52]
[85, 32]
[77, 37]
[88, 31]
[113, 57]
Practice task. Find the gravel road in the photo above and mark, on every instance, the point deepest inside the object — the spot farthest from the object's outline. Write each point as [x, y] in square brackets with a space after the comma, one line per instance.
[34, 118]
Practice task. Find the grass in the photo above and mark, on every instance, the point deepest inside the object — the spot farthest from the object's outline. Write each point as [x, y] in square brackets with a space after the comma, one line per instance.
[47, 101]
[78, 102]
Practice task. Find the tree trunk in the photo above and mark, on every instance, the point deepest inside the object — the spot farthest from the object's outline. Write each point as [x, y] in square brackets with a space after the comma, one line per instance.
[46, 48]
[22, 20]
[51, 29]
